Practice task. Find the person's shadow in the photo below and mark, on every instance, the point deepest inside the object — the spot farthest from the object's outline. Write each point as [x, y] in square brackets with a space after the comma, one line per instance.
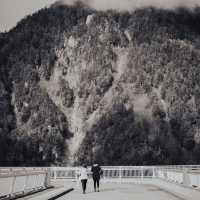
[102, 190]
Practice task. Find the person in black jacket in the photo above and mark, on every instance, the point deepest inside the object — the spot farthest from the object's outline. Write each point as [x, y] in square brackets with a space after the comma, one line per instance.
[96, 174]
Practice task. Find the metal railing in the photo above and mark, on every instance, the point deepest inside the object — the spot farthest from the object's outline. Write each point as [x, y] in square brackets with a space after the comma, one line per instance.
[187, 175]
[14, 181]
[17, 181]
[109, 172]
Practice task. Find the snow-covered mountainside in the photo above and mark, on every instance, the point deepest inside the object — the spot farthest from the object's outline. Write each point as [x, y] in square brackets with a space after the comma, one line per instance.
[123, 88]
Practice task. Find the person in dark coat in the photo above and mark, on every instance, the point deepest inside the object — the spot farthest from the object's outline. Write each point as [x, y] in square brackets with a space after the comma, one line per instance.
[96, 174]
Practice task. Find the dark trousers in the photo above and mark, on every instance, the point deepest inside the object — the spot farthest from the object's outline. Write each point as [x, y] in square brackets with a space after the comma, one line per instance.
[96, 183]
[84, 182]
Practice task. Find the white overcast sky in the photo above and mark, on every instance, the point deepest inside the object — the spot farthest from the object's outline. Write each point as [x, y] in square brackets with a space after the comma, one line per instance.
[12, 11]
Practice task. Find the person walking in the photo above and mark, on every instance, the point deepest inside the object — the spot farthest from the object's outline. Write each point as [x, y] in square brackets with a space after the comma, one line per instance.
[96, 174]
[84, 177]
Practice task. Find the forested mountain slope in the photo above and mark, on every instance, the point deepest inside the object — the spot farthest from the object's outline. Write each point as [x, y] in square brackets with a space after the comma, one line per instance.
[123, 88]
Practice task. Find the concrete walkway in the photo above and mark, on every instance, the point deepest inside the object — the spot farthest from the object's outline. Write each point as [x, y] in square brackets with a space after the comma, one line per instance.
[45, 194]
[117, 191]
[149, 189]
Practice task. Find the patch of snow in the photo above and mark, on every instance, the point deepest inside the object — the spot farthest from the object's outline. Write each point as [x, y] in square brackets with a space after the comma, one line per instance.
[52, 86]
[73, 75]
[140, 103]
[25, 104]
[26, 85]
[35, 115]
[165, 106]
[84, 65]
[89, 19]
[75, 115]
[15, 109]
[128, 106]
[65, 41]
[72, 42]
[102, 37]
[121, 61]
[120, 66]
[162, 101]
[77, 127]
[93, 118]
[41, 149]
[58, 52]
[128, 35]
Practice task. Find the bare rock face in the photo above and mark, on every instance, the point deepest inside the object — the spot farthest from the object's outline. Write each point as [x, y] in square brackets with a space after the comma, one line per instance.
[78, 84]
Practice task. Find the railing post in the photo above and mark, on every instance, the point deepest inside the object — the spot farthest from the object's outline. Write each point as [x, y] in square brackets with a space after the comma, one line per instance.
[142, 172]
[36, 180]
[185, 177]
[26, 180]
[120, 174]
[104, 176]
[13, 183]
[54, 173]
[154, 173]
[77, 176]
[47, 177]
[198, 181]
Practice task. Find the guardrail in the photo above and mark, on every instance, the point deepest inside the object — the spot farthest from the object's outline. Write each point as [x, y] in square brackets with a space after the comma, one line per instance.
[18, 181]
[114, 174]
[14, 181]
[187, 175]
[184, 175]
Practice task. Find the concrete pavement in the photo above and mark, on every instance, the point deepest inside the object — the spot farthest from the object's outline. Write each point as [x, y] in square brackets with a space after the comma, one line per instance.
[132, 189]
[117, 191]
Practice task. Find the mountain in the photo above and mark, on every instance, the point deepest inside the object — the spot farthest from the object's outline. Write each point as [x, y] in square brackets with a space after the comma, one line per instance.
[123, 88]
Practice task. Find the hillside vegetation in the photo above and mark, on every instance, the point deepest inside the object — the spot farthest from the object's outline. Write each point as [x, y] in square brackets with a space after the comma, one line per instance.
[123, 88]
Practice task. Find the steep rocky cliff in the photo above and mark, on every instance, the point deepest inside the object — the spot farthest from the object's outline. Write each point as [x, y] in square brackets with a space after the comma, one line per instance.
[78, 84]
